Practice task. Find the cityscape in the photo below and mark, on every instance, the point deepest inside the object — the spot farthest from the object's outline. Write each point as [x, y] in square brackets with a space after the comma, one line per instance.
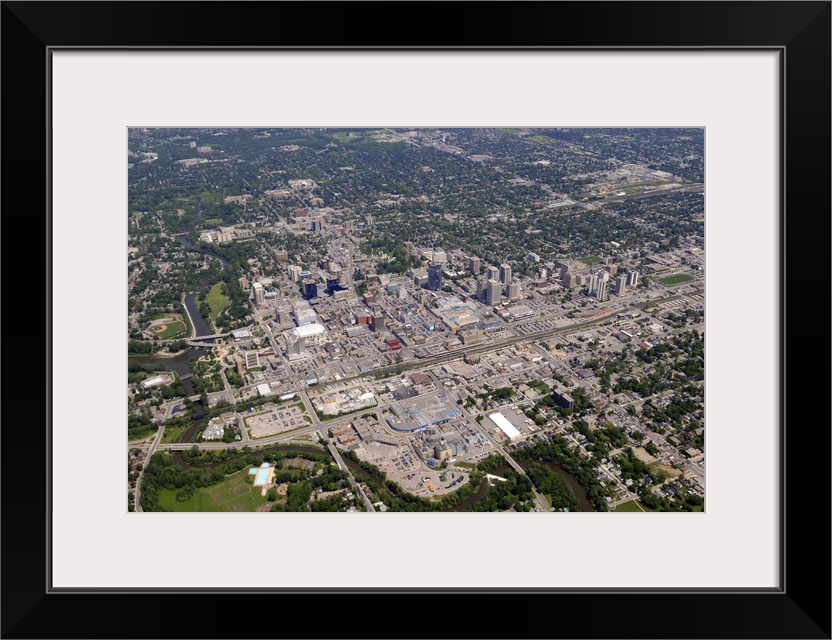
[416, 319]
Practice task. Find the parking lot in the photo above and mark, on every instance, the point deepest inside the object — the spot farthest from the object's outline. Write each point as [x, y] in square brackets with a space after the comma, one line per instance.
[276, 421]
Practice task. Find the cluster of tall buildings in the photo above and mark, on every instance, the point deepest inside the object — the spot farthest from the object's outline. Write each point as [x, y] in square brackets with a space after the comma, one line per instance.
[601, 283]
[495, 283]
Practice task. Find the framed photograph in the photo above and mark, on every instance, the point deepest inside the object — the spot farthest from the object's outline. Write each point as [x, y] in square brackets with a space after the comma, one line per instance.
[528, 261]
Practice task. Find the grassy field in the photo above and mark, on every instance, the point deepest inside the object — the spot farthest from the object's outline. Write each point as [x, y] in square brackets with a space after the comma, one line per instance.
[679, 278]
[232, 494]
[629, 507]
[666, 469]
[346, 136]
[510, 130]
[544, 140]
[172, 330]
[213, 222]
[465, 465]
[590, 260]
[217, 301]
[173, 434]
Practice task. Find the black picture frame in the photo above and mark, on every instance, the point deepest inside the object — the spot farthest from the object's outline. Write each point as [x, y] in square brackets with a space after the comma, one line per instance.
[800, 31]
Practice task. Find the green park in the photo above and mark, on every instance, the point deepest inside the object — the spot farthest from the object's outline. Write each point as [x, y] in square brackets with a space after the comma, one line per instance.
[678, 278]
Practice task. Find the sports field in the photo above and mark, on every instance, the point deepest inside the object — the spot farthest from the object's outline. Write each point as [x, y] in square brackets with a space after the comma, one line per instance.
[232, 494]
[590, 260]
[171, 330]
[679, 278]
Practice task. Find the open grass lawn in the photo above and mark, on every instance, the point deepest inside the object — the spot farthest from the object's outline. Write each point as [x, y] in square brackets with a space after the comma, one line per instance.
[213, 222]
[679, 278]
[217, 301]
[172, 330]
[629, 507]
[590, 260]
[232, 494]
[511, 130]
[465, 465]
[544, 139]
[346, 136]
[173, 434]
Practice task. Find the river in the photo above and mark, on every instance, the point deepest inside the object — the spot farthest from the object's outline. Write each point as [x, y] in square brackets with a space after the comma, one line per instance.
[201, 326]
[180, 363]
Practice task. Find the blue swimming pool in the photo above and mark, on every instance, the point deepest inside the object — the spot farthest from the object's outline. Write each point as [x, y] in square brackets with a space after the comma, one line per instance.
[262, 474]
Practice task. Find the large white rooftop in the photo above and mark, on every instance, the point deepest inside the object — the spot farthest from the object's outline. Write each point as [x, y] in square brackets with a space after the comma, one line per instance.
[505, 426]
[305, 331]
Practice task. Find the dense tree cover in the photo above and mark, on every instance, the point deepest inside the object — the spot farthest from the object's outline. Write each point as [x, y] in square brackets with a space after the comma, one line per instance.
[207, 384]
[142, 348]
[299, 493]
[582, 402]
[140, 425]
[602, 440]
[557, 451]
[138, 371]
[393, 256]
[646, 386]
[686, 501]
[516, 492]
[554, 486]
[234, 379]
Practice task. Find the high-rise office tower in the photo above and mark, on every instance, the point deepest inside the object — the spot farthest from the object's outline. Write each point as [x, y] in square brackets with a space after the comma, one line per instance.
[294, 272]
[332, 284]
[474, 266]
[601, 293]
[620, 284]
[482, 288]
[505, 273]
[294, 344]
[592, 284]
[310, 288]
[513, 290]
[258, 293]
[494, 291]
[632, 278]
[435, 276]
[492, 273]
[564, 269]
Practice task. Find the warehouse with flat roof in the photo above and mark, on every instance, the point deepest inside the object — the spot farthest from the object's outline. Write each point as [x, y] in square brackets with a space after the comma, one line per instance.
[505, 426]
